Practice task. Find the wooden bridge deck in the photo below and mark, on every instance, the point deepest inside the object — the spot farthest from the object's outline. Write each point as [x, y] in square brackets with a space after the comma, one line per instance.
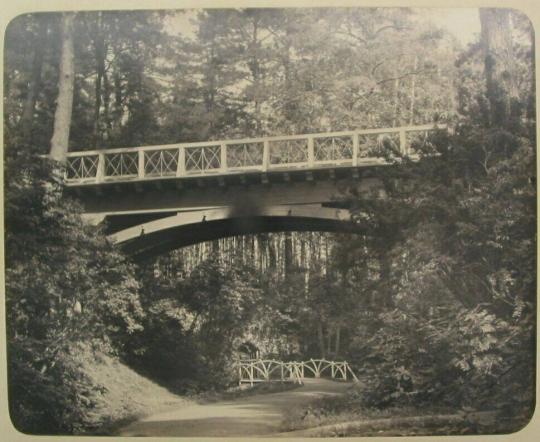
[243, 156]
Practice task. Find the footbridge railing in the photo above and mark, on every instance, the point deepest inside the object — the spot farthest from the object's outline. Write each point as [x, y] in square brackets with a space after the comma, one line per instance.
[252, 371]
[224, 157]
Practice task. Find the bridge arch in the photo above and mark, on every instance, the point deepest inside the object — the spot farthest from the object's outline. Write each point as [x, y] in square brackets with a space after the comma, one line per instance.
[187, 228]
[158, 198]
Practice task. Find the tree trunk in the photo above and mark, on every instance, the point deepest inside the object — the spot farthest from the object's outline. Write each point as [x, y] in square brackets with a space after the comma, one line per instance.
[496, 44]
[271, 253]
[99, 52]
[396, 103]
[34, 83]
[329, 341]
[413, 92]
[338, 335]
[531, 104]
[118, 100]
[288, 255]
[64, 105]
[107, 105]
[256, 74]
[325, 263]
[211, 74]
[385, 287]
[320, 336]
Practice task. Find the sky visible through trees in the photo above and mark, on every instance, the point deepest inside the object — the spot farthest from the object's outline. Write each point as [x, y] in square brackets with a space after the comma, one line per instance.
[463, 23]
[434, 306]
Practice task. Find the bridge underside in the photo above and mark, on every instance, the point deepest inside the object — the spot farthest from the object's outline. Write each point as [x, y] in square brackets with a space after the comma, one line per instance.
[287, 188]
[155, 198]
[186, 228]
[151, 218]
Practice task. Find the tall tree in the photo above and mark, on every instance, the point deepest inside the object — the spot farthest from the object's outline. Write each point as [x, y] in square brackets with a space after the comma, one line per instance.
[34, 80]
[499, 66]
[64, 105]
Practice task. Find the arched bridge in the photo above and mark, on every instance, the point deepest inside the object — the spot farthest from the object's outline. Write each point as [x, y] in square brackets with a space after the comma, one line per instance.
[156, 198]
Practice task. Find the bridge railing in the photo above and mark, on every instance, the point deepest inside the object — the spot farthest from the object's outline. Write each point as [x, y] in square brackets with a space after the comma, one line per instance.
[311, 151]
[266, 370]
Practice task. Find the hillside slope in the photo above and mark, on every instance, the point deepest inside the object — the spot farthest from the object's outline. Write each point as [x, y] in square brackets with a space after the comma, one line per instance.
[126, 395]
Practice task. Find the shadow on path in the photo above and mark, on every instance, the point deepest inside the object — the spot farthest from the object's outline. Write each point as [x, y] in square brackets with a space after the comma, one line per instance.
[258, 415]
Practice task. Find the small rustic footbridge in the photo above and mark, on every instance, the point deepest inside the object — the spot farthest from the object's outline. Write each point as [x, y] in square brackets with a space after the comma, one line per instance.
[157, 198]
[251, 371]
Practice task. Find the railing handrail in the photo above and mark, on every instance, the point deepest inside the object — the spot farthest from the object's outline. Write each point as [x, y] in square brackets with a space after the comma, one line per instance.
[233, 141]
[295, 369]
[223, 157]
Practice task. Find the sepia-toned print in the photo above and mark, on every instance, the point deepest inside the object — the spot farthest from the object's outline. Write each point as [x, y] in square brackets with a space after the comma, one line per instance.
[294, 222]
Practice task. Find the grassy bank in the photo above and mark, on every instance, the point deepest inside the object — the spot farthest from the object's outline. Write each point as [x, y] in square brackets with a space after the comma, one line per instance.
[126, 395]
[345, 417]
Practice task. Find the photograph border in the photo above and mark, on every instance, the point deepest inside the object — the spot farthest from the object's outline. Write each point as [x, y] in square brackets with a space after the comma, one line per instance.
[12, 9]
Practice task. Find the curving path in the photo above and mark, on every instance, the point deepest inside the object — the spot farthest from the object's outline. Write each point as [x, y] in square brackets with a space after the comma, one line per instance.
[257, 415]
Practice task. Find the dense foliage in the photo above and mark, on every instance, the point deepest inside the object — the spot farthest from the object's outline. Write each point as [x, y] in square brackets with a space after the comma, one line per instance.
[461, 323]
[65, 286]
[460, 326]
[149, 78]
[193, 324]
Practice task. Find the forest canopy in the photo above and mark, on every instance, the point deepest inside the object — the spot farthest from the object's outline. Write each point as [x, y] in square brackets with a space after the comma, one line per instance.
[234, 73]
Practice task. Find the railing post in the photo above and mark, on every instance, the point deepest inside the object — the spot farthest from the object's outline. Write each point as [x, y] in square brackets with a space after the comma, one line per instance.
[266, 155]
[355, 144]
[100, 172]
[311, 152]
[140, 165]
[181, 166]
[223, 157]
[403, 148]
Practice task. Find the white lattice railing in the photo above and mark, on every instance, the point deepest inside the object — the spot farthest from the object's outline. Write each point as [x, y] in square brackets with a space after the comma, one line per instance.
[266, 370]
[339, 149]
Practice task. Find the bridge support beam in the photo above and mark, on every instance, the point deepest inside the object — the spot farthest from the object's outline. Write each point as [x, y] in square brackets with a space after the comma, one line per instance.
[186, 228]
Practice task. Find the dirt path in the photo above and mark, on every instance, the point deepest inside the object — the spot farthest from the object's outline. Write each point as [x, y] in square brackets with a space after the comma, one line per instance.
[258, 415]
